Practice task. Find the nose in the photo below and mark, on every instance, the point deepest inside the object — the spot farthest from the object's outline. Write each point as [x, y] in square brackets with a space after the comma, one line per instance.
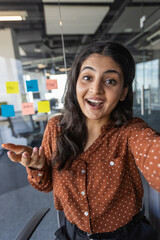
[97, 87]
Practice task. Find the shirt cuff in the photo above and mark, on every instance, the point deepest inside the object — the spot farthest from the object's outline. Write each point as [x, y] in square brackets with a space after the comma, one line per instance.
[36, 173]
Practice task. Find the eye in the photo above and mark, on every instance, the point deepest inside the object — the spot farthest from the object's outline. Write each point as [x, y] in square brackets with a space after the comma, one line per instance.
[110, 81]
[86, 78]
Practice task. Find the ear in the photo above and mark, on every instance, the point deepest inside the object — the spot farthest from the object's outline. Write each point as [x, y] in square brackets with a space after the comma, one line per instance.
[123, 94]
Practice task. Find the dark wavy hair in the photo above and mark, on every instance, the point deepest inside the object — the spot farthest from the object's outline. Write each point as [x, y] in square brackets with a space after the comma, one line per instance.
[72, 137]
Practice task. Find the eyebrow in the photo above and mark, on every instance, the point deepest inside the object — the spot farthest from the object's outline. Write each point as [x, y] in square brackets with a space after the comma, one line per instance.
[108, 71]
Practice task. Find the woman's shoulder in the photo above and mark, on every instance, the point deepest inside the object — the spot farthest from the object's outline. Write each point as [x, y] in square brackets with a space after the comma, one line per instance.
[54, 121]
[135, 123]
[136, 120]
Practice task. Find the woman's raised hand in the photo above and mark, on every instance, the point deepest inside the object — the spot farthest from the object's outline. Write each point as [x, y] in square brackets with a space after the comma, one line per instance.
[27, 156]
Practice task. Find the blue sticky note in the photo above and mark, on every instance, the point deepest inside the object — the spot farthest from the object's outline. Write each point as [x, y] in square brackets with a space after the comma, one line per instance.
[7, 111]
[32, 86]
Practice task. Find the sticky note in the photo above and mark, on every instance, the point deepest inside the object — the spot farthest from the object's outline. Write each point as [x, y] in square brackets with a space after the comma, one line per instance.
[7, 111]
[27, 109]
[43, 106]
[12, 87]
[32, 85]
[51, 84]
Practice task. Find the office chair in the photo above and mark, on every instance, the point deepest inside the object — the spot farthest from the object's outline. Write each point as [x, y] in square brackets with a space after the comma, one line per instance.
[60, 218]
[32, 224]
[32, 134]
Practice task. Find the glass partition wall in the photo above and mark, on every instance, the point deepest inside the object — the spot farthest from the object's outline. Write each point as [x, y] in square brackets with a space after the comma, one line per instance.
[147, 97]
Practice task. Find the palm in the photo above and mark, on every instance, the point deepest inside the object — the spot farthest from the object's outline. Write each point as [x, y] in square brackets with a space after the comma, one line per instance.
[25, 155]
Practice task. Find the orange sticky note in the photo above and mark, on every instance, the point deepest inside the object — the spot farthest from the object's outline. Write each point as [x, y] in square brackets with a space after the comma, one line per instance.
[51, 84]
[12, 87]
[44, 106]
[27, 109]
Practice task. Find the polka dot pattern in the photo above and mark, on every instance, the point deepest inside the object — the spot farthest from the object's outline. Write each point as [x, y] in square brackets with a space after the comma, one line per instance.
[103, 189]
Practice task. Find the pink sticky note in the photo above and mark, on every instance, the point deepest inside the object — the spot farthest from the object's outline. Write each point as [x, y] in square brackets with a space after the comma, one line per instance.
[27, 108]
[51, 84]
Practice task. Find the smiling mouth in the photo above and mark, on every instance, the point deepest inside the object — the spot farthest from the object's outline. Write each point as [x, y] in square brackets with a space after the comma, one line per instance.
[94, 103]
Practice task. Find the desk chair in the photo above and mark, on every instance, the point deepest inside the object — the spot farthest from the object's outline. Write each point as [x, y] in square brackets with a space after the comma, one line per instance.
[60, 218]
[32, 133]
[32, 224]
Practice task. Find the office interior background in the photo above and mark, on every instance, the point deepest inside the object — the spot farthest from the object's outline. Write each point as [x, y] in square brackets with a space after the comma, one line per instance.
[36, 53]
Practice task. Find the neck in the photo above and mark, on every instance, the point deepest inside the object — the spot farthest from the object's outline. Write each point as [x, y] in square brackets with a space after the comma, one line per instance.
[94, 125]
[94, 130]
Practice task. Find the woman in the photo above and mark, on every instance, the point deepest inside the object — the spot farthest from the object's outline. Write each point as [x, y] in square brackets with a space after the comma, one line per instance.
[90, 155]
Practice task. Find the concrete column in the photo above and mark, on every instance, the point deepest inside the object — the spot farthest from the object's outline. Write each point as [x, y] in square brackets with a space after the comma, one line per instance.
[10, 67]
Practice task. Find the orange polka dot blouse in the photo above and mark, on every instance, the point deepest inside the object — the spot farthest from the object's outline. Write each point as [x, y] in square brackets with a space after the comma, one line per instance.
[103, 189]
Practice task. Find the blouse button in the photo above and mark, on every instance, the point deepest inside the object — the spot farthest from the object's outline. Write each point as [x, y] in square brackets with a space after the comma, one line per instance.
[83, 193]
[86, 213]
[89, 234]
[111, 163]
[83, 171]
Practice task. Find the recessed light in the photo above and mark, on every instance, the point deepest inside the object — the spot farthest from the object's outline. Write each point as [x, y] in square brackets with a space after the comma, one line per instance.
[41, 66]
[64, 69]
[128, 30]
[13, 15]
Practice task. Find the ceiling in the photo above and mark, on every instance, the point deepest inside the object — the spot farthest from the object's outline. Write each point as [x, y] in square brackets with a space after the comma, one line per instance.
[54, 30]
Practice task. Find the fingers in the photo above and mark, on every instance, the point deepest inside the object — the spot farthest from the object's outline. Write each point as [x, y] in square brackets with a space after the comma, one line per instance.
[41, 157]
[37, 158]
[14, 157]
[25, 159]
[18, 149]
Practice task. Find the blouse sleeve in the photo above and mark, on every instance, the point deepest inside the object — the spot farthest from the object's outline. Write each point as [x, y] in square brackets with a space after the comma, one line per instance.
[144, 144]
[42, 179]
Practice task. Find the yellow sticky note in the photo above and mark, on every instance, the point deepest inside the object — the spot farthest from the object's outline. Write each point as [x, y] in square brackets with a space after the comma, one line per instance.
[12, 87]
[43, 106]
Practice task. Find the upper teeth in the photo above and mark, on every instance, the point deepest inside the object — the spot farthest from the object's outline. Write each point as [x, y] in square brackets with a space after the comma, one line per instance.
[94, 101]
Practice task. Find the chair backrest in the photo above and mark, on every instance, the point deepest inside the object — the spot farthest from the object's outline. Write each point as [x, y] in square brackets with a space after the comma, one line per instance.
[32, 224]
[19, 126]
[11, 126]
[60, 218]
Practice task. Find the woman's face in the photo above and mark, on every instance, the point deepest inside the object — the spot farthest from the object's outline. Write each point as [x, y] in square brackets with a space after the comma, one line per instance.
[99, 87]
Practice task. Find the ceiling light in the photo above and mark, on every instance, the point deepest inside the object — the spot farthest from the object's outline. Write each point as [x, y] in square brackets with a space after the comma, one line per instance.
[11, 18]
[41, 66]
[82, 1]
[64, 69]
[128, 30]
[37, 50]
[21, 51]
[13, 15]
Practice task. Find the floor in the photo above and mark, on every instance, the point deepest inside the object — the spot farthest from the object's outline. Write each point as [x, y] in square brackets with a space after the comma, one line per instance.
[19, 202]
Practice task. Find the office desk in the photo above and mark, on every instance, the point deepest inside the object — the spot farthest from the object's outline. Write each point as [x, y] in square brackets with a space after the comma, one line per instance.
[4, 123]
[58, 108]
[42, 119]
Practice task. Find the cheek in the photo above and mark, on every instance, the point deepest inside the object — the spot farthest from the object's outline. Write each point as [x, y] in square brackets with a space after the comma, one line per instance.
[114, 95]
[78, 93]
[80, 90]
[77, 90]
